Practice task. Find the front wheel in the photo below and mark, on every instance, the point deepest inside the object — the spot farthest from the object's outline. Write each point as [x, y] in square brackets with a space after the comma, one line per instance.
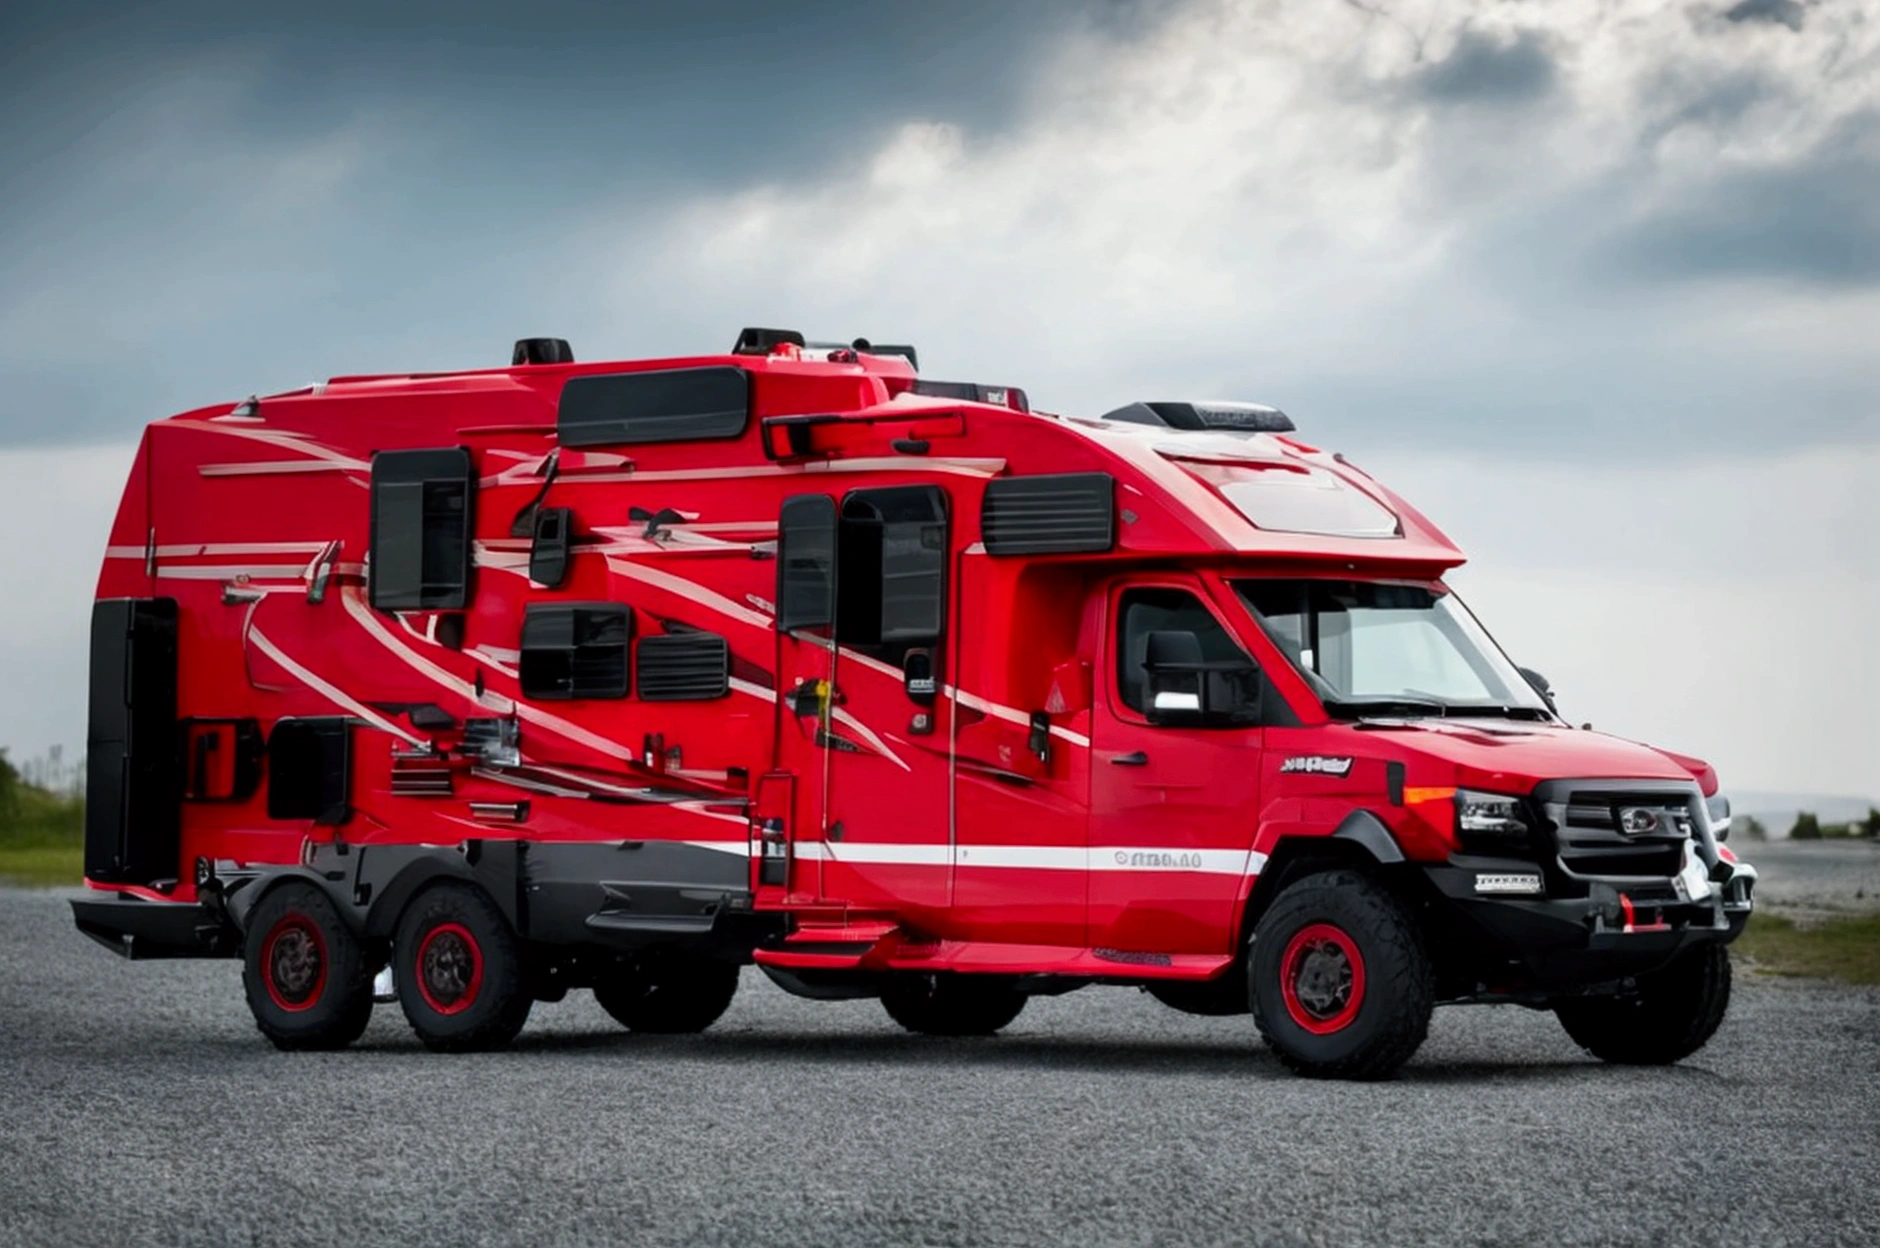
[1672, 1013]
[1340, 981]
[947, 1004]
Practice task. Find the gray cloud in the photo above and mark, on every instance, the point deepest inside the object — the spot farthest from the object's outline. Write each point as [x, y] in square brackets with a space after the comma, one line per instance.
[1779, 12]
[1812, 219]
[1485, 70]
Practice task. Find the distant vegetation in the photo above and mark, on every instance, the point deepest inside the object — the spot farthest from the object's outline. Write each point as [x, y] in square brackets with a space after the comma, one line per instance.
[1809, 828]
[1845, 947]
[42, 822]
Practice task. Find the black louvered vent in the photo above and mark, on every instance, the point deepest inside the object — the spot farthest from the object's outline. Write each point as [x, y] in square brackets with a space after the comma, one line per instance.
[1066, 513]
[683, 667]
[576, 651]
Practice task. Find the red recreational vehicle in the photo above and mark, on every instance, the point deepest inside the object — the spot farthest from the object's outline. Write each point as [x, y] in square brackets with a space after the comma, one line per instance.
[621, 676]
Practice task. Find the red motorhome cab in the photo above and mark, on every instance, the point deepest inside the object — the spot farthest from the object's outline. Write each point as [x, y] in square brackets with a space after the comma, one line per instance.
[470, 689]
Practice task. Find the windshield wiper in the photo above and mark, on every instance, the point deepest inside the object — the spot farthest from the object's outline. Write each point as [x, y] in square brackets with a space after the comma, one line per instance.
[1359, 707]
[1501, 709]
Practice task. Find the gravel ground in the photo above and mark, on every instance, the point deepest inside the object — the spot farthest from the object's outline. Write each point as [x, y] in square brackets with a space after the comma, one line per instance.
[139, 1105]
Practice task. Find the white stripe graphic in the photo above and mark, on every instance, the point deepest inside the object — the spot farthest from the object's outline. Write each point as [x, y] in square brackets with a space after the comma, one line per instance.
[1230, 862]
[332, 693]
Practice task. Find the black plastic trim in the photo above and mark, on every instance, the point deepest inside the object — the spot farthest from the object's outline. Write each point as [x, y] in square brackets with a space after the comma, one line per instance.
[1365, 829]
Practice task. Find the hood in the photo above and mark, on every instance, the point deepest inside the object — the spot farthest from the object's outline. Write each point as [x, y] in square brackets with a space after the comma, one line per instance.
[1510, 756]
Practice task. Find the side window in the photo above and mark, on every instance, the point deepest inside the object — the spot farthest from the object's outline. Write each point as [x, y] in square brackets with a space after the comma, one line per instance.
[1144, 611]
[577, 650]
[806, 562]
[876, 568]
[421, 530]
[663, 405]
[892, 553]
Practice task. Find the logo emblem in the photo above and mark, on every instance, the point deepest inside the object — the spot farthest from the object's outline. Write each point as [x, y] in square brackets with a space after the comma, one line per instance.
[1637, 821]
[1316, 764]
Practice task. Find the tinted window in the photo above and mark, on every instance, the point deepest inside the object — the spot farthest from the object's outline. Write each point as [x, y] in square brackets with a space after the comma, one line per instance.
[421, 529]
[893, 552]
[1145, 611]
[806, 562]
[576, 651]
[664, 405]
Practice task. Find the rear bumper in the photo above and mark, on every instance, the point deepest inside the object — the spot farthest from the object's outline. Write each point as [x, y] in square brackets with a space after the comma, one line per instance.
[141, 930]
[1618, 929]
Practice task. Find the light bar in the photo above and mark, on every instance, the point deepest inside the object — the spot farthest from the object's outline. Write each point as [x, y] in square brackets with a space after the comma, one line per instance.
[1521, 882]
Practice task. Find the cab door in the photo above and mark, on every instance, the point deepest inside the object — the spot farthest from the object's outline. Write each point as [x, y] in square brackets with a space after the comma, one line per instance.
[1173, 809]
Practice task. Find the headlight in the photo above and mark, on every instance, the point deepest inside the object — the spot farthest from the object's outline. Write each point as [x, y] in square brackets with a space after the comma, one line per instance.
[1490, 820]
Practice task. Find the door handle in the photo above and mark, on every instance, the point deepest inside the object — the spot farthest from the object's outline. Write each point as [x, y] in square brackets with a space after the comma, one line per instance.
[1137, 759]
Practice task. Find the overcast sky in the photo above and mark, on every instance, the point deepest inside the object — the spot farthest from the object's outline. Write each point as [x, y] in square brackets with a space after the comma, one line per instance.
[1596, 283]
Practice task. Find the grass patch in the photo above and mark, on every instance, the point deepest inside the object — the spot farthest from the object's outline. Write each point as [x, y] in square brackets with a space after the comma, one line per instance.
[42, 834]
[1847, 949]
[41, 866]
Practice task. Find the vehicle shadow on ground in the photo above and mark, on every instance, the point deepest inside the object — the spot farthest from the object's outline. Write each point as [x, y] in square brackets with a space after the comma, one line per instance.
[1173, 1058]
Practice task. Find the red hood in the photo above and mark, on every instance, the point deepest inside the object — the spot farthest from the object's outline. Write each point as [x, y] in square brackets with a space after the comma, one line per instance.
[1510, 756]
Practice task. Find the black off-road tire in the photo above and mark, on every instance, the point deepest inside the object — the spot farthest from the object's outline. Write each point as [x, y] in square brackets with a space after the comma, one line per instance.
[1342, 986]
[1673, 1013]
[673, 995]
[304, 971]
[459, 970]
[947, 1004]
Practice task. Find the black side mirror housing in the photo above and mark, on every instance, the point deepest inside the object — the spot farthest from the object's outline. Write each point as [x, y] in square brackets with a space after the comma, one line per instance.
[1541, 686]
[1183, 688]
[548, 549]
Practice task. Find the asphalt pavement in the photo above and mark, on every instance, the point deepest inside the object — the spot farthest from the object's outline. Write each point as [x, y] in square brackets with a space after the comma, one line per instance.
[138, 1105]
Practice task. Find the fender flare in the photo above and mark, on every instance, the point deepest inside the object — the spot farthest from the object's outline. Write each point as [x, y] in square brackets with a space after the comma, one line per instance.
[1365, 829]
[239, 903]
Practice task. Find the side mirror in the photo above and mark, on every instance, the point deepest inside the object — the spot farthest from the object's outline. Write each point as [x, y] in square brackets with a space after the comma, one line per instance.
[1541, 686]
[1172, 661]
[1183, 688]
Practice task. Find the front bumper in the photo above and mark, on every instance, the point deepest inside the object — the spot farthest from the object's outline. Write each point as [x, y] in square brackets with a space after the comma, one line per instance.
[1618, 928]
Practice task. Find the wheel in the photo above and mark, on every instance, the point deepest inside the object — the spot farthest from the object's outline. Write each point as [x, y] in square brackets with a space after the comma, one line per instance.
[1672, 1014]
[672, 995]
[1341, 984]
[946, 1004]
[1211, 998]
[459, 971]
[304, 971]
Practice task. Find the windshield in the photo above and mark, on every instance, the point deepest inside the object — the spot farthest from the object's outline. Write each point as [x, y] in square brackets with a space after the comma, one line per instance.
[1379, 647]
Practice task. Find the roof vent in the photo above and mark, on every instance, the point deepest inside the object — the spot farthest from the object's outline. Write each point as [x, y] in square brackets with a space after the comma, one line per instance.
[1223, 417]
[541, 351]
[753, 341]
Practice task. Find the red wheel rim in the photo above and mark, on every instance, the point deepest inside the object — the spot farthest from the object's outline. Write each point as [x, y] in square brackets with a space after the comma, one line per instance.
[449, 971]
[1321, 977]
[293, 963]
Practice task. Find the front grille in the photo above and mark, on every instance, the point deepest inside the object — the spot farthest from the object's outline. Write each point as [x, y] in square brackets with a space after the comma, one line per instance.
[1628, 831]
